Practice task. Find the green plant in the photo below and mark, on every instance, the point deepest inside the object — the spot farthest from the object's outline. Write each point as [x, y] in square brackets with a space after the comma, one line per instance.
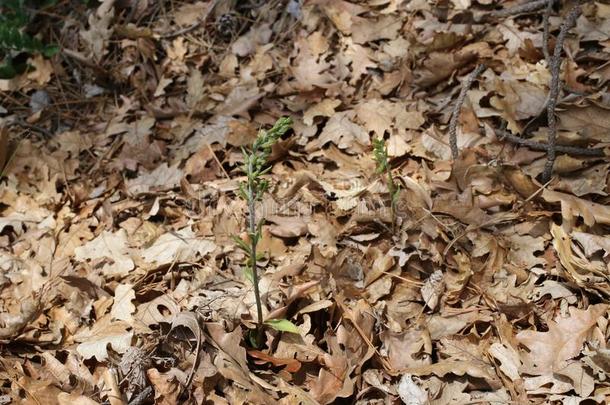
[252, 190]
[380, 155]
[14, 41]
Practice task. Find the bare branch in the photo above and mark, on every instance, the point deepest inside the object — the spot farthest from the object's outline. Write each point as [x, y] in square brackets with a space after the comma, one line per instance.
[523, 8]
[545, 31]
[457, 108]
[555, 67]
[570, 150]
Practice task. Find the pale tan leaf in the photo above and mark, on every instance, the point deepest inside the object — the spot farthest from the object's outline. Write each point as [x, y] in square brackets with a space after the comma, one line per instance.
[162, 177]
[592, 123]
[188, 14]
[410, 393]
[179, 246]
[550, 351]
[122, 308]
[94, 341]
[111, 246]
[326, 108]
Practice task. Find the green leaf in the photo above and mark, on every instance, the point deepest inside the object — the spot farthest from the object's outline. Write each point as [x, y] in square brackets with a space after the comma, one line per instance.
[248, 274]
[259, 228]
[7, 69]
[283, 325]
[252, 337]
[50, 50]
[242, 191]
[380, 155]
[254, 237]
[396, 194]
[241, 244]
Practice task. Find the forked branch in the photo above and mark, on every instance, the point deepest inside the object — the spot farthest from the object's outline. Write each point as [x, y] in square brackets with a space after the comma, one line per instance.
[455, 114]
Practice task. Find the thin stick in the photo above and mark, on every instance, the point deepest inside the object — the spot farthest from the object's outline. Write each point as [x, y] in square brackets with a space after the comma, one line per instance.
[218, 161]
[523, 8]
[555, 67]
[455, 114]
[43, 131]
[545, 31]
[570, 150]
[142, 396]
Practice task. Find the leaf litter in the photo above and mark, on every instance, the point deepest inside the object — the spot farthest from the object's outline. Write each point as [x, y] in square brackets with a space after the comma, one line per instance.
[121, 279]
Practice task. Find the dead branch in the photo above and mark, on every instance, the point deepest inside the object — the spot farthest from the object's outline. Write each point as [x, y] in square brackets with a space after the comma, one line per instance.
[570, 150]
[555, 67]
[43, 131]
[545, 31]
[142, 397]
[523, 8]
[457, 108]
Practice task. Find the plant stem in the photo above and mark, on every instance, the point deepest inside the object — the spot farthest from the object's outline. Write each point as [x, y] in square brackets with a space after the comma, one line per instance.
[254, 242]
[392, 189]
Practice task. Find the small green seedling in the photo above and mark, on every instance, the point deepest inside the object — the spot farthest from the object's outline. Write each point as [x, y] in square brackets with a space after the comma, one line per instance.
[380, 155]
[252, 190]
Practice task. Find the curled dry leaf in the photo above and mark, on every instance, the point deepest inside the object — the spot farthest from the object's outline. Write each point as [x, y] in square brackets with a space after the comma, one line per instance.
[433, 289]
[573, 207]
[167, 387]
[290, 365]
[578, 267]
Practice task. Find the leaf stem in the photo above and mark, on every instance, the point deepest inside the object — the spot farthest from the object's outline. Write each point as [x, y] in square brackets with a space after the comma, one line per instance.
[252, 191]
[392, 189]
[255, 167]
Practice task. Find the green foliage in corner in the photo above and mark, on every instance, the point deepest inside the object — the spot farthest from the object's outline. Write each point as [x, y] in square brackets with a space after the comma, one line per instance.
[15, 43]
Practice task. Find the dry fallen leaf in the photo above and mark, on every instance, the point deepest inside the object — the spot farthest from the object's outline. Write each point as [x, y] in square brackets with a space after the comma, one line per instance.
[110, 246]
[167, 388]
[178, 246]
[551, 351]
[122, 308]
[410, 393]
[100, 31]
[120, 199]
[105, 332]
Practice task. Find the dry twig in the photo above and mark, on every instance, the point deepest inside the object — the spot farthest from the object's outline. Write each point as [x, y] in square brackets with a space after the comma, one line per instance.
[555, 67]
[523, 8]
[43, 131]
[570, 150]
[545, 31]
[142, 397]
[458, 106]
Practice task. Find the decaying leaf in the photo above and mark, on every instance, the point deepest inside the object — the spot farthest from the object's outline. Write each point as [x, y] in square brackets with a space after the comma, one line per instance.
[474, 280]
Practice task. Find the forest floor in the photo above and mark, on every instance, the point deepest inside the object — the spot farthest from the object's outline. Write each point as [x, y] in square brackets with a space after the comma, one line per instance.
[121, 281]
